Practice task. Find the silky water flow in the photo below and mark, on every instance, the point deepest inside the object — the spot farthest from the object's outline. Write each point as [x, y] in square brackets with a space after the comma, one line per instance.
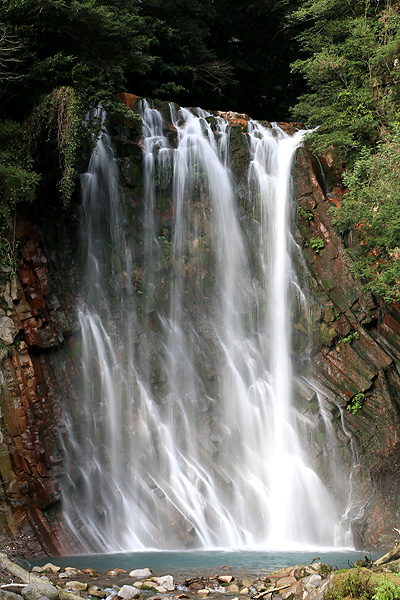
[188, 436]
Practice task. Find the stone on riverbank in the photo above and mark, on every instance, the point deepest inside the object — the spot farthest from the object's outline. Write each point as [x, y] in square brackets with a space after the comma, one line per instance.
[167, 582]
[35, 591]
[139, 573]
[76, 586]
[128, 591]
[97, 592]
[6, 595]
[50, 568]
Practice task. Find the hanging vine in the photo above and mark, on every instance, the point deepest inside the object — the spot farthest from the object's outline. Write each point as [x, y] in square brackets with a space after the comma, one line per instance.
[61, 113]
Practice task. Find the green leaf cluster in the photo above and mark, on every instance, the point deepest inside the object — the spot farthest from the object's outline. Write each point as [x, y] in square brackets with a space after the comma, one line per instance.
[370, 211]
[356, 403]
[353, 335]
[317, 244]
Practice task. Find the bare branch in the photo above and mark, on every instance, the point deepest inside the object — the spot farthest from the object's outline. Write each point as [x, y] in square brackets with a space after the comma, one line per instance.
[216, 73]
[10, 48]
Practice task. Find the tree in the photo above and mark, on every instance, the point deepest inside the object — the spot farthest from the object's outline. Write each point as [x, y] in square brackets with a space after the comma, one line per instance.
[87, 44]
[352, 71]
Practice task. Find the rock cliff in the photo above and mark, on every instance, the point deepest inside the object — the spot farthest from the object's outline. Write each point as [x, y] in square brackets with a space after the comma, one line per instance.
[354, 356]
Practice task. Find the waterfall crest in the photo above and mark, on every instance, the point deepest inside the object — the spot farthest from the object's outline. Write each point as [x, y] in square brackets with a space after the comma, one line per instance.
[188, 434]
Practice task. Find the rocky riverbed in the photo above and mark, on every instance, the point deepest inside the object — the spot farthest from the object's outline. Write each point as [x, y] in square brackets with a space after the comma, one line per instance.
[298, 582]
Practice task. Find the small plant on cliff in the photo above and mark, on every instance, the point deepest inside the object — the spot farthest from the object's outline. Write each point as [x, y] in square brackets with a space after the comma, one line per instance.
[353, 335]
[316, 244]
[165, 247]
[304, 213]
[356, 403]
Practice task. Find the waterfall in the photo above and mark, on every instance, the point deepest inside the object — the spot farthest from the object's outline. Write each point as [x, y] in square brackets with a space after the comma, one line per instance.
[187, 435]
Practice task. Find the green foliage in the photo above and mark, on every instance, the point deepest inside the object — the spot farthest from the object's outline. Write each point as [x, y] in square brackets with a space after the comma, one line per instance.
[18, 181]
[61, 113]
[304, 213]
[354, 584]
[352, 70]
[356, 403]
[165, 247]
[371, 212]
[353, 335]
[87, 44]
[387, 590]
[317, 244]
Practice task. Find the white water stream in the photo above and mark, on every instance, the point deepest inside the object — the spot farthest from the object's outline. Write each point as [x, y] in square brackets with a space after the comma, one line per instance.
[189, 435]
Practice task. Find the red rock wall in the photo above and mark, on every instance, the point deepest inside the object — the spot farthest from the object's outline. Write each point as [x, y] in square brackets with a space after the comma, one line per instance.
[39, 376]
[364, 364]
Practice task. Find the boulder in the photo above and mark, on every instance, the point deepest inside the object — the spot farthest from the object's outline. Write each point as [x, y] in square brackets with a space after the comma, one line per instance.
[35, 591]
[140, 573]
[167, 582]
[128, 591]
[7, 330]
[285, 582]
[311, 582]
[6, 595]
[318, 593]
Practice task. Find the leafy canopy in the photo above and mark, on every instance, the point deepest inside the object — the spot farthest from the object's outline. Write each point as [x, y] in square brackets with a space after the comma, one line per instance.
[352, 69]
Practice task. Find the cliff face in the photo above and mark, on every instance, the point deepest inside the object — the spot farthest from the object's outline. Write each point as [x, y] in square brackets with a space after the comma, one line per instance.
[355, 353]
[358, 354]
[38, 376]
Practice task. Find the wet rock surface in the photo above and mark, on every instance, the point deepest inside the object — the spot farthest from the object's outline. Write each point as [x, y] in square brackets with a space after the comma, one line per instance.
[355, 355]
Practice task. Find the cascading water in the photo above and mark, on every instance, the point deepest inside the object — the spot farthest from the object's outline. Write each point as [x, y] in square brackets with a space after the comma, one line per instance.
[189, 435]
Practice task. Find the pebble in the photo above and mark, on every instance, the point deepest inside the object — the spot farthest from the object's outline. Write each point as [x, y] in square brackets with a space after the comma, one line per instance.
[91, 572]
[225, 578]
